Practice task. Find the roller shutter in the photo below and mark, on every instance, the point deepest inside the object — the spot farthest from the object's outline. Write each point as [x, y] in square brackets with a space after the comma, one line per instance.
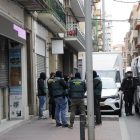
[41, 68]
[4, 62]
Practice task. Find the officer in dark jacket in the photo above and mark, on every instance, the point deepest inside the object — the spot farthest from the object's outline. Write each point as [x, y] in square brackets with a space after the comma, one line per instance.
[59, 93]
[77, 95]
[97, 96]
[42, 91]
[127, 88]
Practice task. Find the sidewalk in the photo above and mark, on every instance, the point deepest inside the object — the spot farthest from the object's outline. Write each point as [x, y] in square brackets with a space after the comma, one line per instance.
[44, 130]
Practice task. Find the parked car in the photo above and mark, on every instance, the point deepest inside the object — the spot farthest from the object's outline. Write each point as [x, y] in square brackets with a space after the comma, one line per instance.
[111, 99]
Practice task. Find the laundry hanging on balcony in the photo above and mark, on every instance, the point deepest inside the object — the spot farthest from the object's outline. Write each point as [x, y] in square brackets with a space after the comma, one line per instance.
[71, 33]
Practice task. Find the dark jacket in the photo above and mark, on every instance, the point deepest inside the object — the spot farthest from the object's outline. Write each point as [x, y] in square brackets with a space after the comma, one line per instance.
[78, 77]
[127, 87]
[61, 82]
[49, 86]
[97, 86]
[42, 90]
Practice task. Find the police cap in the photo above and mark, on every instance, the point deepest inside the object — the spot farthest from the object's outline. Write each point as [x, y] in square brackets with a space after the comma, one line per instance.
[129, 72]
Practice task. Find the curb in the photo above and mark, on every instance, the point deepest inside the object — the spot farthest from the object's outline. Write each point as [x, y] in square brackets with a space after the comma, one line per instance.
[12, 127]
[104, 118]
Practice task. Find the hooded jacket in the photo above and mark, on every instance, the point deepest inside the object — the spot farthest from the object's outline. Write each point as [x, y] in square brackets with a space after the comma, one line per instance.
[58, 85]
[97, 83]
[42, 90]
[77, 87]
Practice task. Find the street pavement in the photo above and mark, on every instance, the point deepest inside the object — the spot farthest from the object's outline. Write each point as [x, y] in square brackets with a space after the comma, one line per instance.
[43, 130]
[133, 125]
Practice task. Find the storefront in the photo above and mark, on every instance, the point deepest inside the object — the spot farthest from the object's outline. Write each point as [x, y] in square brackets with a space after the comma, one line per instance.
[13, 83]
[42, 54]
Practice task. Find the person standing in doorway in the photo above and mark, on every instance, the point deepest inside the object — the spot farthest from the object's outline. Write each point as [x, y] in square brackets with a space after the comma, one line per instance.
[59, 93]
[51, 100]
[77, 95]
[97, 96]
[127, 88]
[42, 91]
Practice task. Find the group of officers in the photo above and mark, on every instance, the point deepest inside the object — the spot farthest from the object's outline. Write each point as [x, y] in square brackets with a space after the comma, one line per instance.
[75, 89]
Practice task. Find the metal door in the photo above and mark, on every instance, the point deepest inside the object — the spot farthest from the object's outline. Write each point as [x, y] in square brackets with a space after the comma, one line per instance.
[4, 62]
[40, 68]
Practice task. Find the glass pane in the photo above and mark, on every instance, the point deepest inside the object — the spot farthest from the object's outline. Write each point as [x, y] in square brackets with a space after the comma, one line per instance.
[108, 84]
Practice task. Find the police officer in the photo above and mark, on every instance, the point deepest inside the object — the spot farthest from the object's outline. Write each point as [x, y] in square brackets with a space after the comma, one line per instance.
[127, 88]
[77, 94]
[97, 84]
[59, 93]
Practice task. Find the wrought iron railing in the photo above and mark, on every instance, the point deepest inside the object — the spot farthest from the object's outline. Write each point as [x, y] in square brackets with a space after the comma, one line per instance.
[57, 9]
[73, 30]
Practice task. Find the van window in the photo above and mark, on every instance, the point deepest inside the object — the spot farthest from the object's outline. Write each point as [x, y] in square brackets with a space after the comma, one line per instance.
[110, 74]
[118, 80]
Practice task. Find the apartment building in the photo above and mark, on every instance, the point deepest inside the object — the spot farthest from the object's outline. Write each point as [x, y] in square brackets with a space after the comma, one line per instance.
[38, 36]
[121, 48]
[108, 33]
[131, 37]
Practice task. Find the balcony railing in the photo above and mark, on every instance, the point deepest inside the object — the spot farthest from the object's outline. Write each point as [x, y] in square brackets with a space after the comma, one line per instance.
[129, 47]
[57, 9]
[82, 5]
[73, 30]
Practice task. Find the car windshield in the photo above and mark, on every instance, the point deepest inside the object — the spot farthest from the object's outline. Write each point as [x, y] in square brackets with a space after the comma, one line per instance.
[108, 84]
[110, 74]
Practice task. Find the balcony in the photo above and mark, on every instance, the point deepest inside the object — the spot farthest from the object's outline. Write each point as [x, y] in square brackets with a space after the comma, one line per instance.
[33, 5]
[129, 46]
[137, 44]
[99, 28]
[100, 35]
[54, 17]
[137, 24]
[75, 37]
[134, 35]
[99, 42]
[97, 12]
[78, 8]
[97, 0]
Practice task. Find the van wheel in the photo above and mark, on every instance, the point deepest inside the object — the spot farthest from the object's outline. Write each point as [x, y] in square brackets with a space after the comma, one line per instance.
[120, 113]
[136, 109]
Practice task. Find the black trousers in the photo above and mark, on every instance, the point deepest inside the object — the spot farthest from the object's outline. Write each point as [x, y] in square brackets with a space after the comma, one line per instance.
[128, 107]
[53, 111]
[97, 108]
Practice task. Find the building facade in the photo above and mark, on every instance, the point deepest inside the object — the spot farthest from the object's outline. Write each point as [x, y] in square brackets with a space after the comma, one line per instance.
[121, 48]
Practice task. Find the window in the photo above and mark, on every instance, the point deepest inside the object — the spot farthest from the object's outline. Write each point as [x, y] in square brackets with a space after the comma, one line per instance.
[124, 54]
[108, 84]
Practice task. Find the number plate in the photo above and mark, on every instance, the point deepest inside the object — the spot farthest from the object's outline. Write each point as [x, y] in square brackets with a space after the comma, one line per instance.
[102, 104]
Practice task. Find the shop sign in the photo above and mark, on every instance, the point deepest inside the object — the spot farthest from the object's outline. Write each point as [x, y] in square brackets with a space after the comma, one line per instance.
[15, 83]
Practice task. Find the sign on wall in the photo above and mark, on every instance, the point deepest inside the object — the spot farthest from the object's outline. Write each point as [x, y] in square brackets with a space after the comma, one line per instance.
[57, 46]
[15, 83]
